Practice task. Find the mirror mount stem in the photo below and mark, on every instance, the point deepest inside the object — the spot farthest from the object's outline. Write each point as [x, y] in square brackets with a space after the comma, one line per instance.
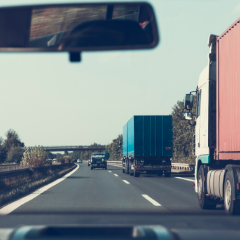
[75, 56]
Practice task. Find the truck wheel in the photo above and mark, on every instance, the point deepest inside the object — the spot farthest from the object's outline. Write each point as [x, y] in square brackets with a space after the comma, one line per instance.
[91, 168]
[136, 174]
[204, 202]
[231, 206]
[167, 174]
[130, 171]
[123, 170]
[106, 168]
[126, 169]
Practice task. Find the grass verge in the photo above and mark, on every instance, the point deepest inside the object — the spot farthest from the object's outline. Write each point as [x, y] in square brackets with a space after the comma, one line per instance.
[9, 194]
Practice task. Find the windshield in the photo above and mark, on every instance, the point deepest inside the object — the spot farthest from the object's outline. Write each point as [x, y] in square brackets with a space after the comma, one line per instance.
[118, 104]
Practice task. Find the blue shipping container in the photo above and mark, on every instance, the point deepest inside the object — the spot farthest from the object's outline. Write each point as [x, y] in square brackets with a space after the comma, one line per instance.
[148, 136]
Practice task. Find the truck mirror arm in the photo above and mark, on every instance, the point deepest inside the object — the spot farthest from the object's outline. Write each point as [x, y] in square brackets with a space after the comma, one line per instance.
[194, 124]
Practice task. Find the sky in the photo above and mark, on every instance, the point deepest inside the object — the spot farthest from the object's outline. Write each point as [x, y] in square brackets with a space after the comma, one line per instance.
[49, 101]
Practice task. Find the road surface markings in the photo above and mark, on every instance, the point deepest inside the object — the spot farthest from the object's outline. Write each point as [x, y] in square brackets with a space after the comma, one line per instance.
[14, 205]
[110, 171]
[116, 175]
[187, 179]
[126, 181]
[151, 200]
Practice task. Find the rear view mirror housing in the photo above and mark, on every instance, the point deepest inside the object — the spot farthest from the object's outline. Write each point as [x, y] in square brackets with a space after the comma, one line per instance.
[75, 28]
[188, 103]
[187, 116]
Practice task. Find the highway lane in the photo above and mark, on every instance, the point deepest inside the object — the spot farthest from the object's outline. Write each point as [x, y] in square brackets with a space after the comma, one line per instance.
[110, 196]
[111, 190]
[89, 190]
[172, 193]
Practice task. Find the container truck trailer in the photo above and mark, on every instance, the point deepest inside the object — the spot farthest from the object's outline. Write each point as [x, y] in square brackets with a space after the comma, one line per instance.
[217, 130]
[147, 145]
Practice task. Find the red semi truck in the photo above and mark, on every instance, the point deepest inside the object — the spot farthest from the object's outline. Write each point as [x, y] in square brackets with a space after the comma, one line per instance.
[217, 130]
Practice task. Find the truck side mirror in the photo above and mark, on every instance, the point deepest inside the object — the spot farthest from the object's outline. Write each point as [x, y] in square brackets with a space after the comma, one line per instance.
[188, 102]
[187, 116]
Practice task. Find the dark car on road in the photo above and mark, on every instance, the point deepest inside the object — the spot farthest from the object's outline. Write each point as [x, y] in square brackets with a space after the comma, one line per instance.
[98, 161]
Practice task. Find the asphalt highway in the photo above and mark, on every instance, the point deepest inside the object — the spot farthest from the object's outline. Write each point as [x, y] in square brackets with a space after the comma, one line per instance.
[85, 194]
[111, 190]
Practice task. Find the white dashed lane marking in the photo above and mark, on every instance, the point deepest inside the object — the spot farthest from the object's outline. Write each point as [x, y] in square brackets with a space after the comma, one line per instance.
[187, 179]
[116, 175]
[151, 200]
[126, 181]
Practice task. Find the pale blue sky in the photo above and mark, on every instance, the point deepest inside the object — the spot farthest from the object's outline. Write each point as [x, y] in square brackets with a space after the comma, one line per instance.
[50, 101]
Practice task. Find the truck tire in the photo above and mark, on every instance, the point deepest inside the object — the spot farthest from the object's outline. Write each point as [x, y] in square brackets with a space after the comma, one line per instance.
[136, 174]
[126, 169]
[106, 168]
[231, 206]
[130, 171]
[91, 168]
[204, 202]
[123, 170]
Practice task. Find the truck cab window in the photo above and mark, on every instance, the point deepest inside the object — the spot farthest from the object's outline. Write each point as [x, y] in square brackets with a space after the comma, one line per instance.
[198, 105]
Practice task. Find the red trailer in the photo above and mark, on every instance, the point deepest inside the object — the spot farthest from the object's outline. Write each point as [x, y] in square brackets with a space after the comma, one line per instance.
[228, 94]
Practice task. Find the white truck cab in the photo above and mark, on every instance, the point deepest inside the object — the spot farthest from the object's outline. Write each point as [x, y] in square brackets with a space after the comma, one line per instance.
[206, 111]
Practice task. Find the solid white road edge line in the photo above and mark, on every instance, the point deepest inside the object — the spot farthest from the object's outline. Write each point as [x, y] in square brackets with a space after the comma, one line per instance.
[14, 205]
[190, 180]
[116, 175]
[126, 181]
[151, 200]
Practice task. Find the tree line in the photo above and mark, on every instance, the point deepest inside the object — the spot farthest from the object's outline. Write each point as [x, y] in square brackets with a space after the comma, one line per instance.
[12, 148]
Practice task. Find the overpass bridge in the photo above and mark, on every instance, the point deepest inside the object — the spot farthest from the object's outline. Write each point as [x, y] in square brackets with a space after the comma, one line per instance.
[73, 148]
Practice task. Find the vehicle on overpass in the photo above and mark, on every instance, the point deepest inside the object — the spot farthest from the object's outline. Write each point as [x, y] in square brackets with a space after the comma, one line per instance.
[217, 130]
[98, 160]
[147, 145]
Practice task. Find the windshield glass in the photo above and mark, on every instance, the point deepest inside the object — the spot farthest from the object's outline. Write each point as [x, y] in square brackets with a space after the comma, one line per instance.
[119, 104]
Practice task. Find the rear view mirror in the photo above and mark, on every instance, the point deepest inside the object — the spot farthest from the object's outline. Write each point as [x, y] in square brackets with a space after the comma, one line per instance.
[187, 116]
[78, 27]
[188, 101]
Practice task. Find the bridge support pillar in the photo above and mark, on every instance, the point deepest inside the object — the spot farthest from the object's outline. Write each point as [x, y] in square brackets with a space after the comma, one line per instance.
[66, 152]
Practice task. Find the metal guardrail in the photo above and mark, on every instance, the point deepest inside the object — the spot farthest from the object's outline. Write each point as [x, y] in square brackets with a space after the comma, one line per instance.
[27, 170]
[183, 166]
[72, 148]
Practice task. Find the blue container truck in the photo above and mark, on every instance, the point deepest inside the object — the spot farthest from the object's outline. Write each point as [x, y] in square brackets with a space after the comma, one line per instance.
[147, 145]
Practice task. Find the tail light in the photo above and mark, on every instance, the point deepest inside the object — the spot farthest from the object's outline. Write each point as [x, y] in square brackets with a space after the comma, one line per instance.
[137, 166]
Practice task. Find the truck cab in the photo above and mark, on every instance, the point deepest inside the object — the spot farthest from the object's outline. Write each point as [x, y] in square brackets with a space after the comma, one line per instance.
[205, 132]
